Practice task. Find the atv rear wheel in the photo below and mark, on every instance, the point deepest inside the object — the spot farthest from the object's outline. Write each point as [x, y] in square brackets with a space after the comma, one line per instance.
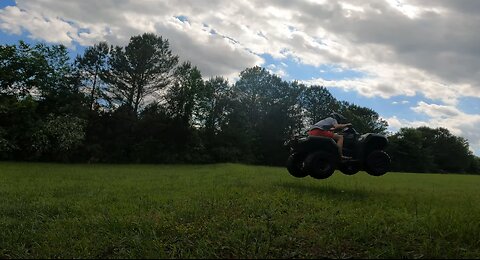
[320, 165]
[377, 163]
[295, 165]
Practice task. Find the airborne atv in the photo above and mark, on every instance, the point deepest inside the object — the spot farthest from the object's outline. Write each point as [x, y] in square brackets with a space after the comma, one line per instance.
[319, 156]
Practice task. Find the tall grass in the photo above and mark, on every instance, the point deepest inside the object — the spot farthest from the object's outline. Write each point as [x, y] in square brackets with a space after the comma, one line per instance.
[232, 211]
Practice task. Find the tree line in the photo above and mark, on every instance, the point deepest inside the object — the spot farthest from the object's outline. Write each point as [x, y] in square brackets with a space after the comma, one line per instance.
[139, 104]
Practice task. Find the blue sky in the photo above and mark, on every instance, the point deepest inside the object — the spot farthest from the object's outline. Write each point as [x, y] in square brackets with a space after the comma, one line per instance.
[388, 55]
[4, 3]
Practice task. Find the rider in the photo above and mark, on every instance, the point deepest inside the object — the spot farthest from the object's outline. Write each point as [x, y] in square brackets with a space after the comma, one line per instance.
[326, 127]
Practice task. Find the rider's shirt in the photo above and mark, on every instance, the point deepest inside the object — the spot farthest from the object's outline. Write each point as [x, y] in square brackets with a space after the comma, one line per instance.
[325, 124]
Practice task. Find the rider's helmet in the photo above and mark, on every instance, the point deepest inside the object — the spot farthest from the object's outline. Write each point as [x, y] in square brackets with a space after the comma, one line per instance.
[340, 119]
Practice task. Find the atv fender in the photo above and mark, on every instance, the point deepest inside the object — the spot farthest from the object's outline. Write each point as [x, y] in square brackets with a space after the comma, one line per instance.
[318, 143]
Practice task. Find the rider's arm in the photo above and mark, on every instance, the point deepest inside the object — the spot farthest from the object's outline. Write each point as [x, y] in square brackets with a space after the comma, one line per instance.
[340, 126]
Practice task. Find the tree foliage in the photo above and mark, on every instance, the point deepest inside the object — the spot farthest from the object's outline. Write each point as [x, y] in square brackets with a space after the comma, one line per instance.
[426, 149]
[92, 66]
[139, 70]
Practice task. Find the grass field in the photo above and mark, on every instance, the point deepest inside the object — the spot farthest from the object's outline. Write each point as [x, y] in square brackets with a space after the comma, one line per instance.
[232, 211]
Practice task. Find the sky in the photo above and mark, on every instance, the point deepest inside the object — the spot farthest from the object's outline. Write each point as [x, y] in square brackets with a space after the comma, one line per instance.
[415, 62]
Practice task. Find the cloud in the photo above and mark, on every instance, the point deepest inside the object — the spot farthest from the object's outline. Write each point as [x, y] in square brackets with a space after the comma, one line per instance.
[402, 47]
[214, 54]
[458, 122]
[116, 21]
[40, 28]
[437, 111]
[277, 70]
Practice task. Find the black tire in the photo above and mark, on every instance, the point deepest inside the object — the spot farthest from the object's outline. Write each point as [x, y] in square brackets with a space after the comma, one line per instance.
[377, 163]
[349, 168]
[320, 165]
[295, 165]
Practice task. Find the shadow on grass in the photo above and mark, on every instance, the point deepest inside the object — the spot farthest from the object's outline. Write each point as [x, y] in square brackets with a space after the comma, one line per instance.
[328, 191]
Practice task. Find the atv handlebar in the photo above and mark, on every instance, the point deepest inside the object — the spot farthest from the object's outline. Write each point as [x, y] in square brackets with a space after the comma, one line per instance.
[349, 130]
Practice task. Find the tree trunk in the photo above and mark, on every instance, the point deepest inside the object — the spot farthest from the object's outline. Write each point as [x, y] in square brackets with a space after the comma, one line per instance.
[92, 95]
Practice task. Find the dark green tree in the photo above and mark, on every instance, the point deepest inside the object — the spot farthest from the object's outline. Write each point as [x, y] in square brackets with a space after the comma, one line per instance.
[57, 85]
[474, 165]
[364, 119]
[450, 152]
[252, 94]
[185, 93]
[214, 108]
[318, 103]
[409, 153]
[183, 106]
[17, 124]
[57, 137]
[39, 81]
[214, 105]
[268, 108]
[154, 142]
[425, 149]
[24, 68]
[139, 70]
[10, 70]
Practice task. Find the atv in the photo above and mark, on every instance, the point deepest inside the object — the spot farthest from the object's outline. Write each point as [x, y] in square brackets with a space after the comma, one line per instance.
[319, 156]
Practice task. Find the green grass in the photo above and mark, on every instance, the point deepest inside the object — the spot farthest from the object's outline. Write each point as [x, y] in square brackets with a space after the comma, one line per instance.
[232, 211]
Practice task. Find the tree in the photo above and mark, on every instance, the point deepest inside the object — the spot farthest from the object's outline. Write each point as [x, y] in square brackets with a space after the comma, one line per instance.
[409, 153]
[184, 95]
[451, 153]
[182, 101]
[139, 70]
[9, 69]
[60, 89]
[58, 136]
[213, 105]
[474, 166]
[252, 94]
[317, 103]
[39, 81]
[23, 68]
[426, 149]
[154, 142]
[91, 65]
[294, 111]
[112, 136]
[268, 108]
[18, 119]
[364, 119]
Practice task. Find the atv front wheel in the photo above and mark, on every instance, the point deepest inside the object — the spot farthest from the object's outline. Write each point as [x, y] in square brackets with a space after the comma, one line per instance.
[320, 165]
[377, 163]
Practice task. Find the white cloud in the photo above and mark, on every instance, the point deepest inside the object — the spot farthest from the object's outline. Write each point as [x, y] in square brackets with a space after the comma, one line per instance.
[395, 123]
[403, 47]
[437, 111]
[449, 117]
[40, 28]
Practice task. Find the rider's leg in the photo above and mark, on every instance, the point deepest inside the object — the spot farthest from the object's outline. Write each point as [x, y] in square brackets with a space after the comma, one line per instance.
[339, 139]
